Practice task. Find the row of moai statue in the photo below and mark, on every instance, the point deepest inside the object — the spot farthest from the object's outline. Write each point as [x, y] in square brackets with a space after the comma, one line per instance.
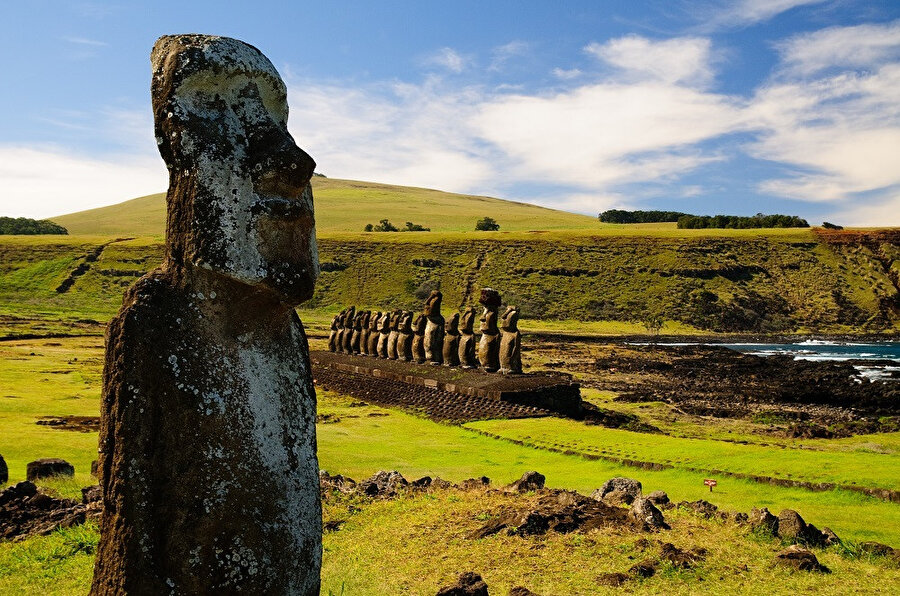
[395, 335]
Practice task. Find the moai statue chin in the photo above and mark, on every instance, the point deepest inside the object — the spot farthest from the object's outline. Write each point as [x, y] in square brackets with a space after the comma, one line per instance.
[374, 326]
[489, 344]
[356, 336]
[451, 341]
[404, 342]
[434, 329]
[334, 333]
[467, 352]
[510, 342]
[364, 332]
[418, 341]
[384, 331]
[347, 333]
[208, 441]
[394, 335]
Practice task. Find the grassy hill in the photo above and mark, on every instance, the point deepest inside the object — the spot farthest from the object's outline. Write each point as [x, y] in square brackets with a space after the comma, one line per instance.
[347, 206]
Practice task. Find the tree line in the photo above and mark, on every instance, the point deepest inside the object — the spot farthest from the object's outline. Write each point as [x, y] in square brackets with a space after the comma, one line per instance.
[689, 221]
[26, 225]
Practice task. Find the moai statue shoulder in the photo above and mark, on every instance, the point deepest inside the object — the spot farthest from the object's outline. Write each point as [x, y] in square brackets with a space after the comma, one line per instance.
[394, 334]
[384, 331]
[347, 335]
[418, 342]
[434, 329]
[356, 336]
[404, 342]
[364, 333]
[451, 341]
[374, 322]
[467, 352]
[335, 331]
[510, 342]
[489, 344]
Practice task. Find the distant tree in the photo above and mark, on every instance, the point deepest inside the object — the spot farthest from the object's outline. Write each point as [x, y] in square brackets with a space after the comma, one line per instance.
[760, 220]
[369, 227]
[383, 226]
[26, 225]
[487, 224]
[621, 216]
[411, 227]
[830, 226]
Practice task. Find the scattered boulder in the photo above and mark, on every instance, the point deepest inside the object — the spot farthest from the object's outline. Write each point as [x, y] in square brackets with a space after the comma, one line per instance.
[25, 512]
[658, 497]
[701, 507]
[468, 584]
[48, 467]
[646, 516]
[383, 484]
[618, 497]
[762, 521]
[422, 483]
[91, 494]
[4, 471]
[530, 481]
[682, 559]
[475, 483]
[800, 559]
[626, 485]
[338, 483]
[440, 483]
[876, 549]
[792, 527]
[95, 468]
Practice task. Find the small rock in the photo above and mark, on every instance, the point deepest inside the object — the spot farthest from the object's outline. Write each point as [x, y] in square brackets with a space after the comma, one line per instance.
[798, 558]
[421, 483]
[739, 517]
[530, 481]
[521, 591]
[475, 483]
[876, 549]
[790, 525]
[831, 539]
[383, 484]
[45, 468]
[646, 568]
[645, 514]
[618, 497]
[613, 580]
[627, 485]
[762, 521]
[4, 471]
[95, 468]
[468, 584]
[682, 559]
[440, 483]
[701, 507]
[658, 497]
[338, 483]
[17, 491]
[91, 494]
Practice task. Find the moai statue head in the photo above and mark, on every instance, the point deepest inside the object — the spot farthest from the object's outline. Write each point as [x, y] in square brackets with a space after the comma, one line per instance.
[374, 320]
[433, 304]
[490, 299]
[342, 319]
[467, 325]
[384, 323]
[510, 319]
[335, 321]
[395, 320]
[419, 324]
[239, 200]
[349, 315]
[453, 324]
[406, 322]
[357, 320]
[364, 320]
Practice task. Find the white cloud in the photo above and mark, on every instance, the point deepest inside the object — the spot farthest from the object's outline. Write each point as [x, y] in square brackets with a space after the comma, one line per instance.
[748, 12]
[883, 210]
[862, 46]
[448, 58]
[84, 41]
[45, 182]
[502, 54]
[566, 75]
[685, 60]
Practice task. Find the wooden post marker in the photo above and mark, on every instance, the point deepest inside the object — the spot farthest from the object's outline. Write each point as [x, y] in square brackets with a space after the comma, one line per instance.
[710, 483]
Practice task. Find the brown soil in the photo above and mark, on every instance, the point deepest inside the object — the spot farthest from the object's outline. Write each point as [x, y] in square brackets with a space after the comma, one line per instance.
[82, 424]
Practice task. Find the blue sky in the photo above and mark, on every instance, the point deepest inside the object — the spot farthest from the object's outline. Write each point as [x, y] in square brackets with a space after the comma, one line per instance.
[707, 106]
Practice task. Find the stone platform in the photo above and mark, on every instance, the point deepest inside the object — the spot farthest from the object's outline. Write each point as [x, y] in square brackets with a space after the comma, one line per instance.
[447, 393]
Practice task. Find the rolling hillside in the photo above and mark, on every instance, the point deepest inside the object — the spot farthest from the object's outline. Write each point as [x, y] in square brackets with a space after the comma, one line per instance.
[347, 206]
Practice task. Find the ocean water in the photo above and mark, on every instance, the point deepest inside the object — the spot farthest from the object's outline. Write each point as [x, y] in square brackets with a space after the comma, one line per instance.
[820, 350]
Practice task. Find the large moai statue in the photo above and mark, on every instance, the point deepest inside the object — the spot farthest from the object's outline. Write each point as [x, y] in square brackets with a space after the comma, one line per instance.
[467, 352]
[374, 322]
[394, 335]
[451, 341]
[405, 339]
[510, 342]
[434, 328]
[356, 335]
[384, 331]
[364, 333]
[489, 344]
[207, 452]
[333, 334]
[347, 333]
[418, 341]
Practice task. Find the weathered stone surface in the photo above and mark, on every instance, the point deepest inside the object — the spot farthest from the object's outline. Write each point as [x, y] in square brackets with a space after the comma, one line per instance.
[47, 467]
[876, 549]
[374, 335]
[394, 334]
[658, 497]
[334, 333]
[467, 353]
[618, 497]
[528, 482]
[338, 483]
[475, 483]
[356, 337]
[626, 485]
[510, 342]
[700, 507]
[830, 538]
[798, 558]
[451, 341]
[792, 527]
[207, 443]
[645, 514]
[383, 484]
[347, 331]
[418, 341]
[364, 331]
[405, 340]
[384, 332]
[25, 512]
[489, 344]
[434, 329]
[762, 521]
[468, 584]
[4, 471]
[681, 559]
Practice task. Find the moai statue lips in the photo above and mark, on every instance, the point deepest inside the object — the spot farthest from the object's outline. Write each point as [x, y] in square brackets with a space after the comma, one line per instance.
[207, 442]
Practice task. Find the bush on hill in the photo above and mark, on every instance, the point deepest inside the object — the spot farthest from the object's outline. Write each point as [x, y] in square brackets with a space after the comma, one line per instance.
[830, 226]
[741, 222]
[621, 216]
[26, 225]
[386, 226]
[487, 224]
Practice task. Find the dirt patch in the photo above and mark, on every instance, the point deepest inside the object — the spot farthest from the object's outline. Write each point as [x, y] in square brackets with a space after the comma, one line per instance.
[82, 424]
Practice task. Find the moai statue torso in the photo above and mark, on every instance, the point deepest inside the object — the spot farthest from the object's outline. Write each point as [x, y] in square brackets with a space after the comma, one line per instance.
[384, 331]
[467, 352]
[404, 342]
[364, 333]
[333, 334]
[394, 334]
[489, 344]
[356, 337]
[434, 329]
[374, 322]
[510, 342]
[207, 456]
[451, 341]
[418, 341]
[347, 334]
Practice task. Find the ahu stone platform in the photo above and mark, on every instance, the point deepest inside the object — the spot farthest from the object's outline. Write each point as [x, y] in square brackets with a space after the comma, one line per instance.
[444, 393]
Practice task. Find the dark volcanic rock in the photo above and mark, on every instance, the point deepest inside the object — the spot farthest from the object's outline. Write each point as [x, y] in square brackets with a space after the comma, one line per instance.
[701, 507]
[25, 512]
[4, 471]
[618, 497]
[628, 486]
[475, 483]
[338, 483]
[92, 494]
[383, 484]
[207, 440]
[798, 558]
[683, 559]
[529, 481]
[468, 584]
[762, 520]
[658, 498]
[46, 468]
[792, 527]
[646, 568]
[877, 549]
[613, 580]
[521, 591]
[645, 515]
